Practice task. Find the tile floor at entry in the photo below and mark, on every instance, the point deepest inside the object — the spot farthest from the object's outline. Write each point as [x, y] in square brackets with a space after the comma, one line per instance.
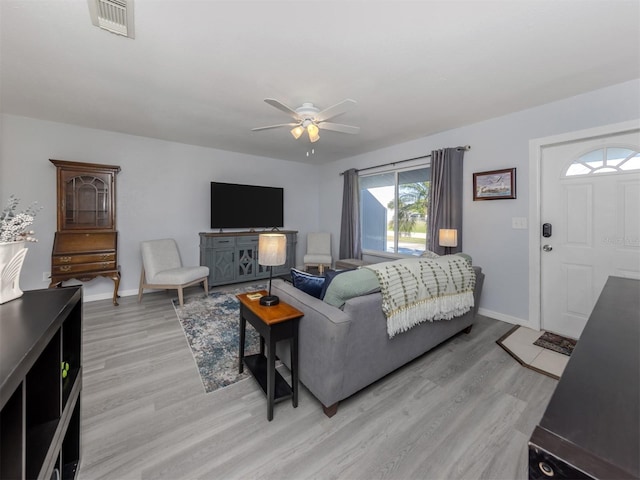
[519, 343]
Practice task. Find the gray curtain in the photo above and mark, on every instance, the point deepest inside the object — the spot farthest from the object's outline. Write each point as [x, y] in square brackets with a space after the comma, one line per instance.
[350, 224]
[446, 196]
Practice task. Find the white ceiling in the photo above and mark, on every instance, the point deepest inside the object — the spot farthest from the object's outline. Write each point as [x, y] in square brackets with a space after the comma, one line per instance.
[198, 71]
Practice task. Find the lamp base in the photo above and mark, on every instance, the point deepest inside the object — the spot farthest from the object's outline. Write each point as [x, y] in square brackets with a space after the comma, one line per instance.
[269, 300]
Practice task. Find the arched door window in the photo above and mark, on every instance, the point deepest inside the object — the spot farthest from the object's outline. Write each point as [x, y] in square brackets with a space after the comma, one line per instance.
[605, 160]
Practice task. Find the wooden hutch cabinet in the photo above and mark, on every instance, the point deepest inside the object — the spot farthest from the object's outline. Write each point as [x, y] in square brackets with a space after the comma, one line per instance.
[86, 241]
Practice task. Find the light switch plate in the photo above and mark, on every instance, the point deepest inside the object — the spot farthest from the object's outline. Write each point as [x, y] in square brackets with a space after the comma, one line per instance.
[519, 223]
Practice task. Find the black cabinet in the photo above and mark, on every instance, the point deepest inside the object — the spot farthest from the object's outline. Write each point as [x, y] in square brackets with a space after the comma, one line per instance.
[41, 379]
[590, 428]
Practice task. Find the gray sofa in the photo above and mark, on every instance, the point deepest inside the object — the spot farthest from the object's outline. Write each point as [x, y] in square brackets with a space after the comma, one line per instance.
[343, 351]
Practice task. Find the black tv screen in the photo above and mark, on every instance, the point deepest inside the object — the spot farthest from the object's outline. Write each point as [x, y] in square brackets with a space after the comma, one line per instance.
[246, 206]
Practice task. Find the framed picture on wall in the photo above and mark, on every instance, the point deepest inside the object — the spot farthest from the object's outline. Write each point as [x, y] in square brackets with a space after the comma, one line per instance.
[495, 184]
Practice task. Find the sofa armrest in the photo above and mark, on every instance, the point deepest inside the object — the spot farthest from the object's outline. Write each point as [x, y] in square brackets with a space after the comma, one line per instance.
[322, 342]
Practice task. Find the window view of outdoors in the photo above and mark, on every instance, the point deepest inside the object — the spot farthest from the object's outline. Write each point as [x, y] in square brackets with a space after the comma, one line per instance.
[394, 209]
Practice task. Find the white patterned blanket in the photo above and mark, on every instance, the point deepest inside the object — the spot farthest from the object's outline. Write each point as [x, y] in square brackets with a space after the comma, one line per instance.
[419, 289]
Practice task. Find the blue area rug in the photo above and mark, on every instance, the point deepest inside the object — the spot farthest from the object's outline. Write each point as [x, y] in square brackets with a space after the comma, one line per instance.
[211, 324]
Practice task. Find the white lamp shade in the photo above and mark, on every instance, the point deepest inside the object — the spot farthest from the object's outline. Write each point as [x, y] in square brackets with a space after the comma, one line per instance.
[272, 249]
[448, 237]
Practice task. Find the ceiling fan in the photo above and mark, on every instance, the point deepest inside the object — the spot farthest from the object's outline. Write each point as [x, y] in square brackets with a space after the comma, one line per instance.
[309, 118]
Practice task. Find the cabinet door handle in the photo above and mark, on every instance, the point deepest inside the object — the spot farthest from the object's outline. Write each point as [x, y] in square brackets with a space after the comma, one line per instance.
[65, 259]
[65, 268]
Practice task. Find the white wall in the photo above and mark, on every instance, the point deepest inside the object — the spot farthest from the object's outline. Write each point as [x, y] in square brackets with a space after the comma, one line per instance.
[162, 190]
[163, 187]
[499, 143]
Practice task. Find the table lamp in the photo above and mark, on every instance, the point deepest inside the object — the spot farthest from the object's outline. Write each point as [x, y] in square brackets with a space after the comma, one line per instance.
[447, 238]
[272, 251]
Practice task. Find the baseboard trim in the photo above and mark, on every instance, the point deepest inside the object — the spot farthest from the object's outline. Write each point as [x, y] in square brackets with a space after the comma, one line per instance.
[503, 317]
[109, 295]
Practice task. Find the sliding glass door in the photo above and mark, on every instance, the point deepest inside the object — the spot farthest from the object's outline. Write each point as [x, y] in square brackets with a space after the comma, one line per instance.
[394, 210]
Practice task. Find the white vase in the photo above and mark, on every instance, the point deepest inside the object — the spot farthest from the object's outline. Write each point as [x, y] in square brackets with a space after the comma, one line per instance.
[11, 258]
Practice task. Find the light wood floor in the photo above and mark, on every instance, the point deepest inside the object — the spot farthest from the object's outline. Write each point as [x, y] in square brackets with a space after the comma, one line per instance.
[462, 411]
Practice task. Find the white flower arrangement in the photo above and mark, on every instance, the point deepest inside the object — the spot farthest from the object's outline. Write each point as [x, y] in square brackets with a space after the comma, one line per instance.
[13, 226]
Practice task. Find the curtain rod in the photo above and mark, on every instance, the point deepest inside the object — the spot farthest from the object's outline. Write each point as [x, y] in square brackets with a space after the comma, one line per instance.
[465, 147]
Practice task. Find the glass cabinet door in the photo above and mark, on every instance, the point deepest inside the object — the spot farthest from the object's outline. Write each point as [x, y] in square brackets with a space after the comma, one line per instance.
[86, 196]
[87, 201]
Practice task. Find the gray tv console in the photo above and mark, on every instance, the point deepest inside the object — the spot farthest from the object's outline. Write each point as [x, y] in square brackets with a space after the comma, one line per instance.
[232, 257]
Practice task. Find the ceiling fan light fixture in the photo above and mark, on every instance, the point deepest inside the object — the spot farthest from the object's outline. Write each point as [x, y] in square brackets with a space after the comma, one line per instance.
[297, 131]
[312, 129]
[307, 117]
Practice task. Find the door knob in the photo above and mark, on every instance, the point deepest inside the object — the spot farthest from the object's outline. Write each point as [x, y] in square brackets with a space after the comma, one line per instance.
[547, 248]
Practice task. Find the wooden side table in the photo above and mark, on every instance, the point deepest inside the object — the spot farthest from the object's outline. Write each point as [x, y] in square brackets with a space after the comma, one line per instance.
[279, 322]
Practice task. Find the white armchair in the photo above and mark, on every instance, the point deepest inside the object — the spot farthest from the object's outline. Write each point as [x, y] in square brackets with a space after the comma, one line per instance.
[318, 251]
[162, 269]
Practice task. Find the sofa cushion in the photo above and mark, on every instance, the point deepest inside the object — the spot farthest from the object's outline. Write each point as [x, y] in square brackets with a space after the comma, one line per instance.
[311, 284]
[467, 257]
[430, 254]
[329, 275]
[350, 284]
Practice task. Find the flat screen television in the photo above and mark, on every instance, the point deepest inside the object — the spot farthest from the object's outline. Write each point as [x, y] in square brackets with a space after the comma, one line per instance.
[246, 206]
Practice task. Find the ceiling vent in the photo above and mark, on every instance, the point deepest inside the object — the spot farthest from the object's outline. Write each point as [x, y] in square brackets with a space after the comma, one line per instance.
[116, 16]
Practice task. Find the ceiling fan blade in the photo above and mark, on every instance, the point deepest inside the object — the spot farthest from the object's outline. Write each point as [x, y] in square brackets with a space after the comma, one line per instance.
[281, 106]
[338, 127]
[335, 110]
[257, 129]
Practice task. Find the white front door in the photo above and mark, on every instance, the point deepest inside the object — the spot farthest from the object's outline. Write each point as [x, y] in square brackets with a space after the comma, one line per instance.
[590, 197]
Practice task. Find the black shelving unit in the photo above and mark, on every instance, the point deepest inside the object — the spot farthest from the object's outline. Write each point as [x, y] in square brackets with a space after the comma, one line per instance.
[40, 333]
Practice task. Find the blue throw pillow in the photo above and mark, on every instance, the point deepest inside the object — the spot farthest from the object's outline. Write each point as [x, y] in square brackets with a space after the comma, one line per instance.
[329, 275]
[310, 284]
